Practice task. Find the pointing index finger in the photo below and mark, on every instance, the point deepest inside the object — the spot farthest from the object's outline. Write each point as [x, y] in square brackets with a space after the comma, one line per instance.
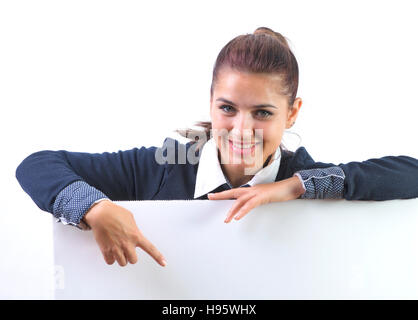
[149, 248]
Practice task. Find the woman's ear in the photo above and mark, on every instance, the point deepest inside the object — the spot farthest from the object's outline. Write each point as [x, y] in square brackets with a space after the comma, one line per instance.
[293, 112]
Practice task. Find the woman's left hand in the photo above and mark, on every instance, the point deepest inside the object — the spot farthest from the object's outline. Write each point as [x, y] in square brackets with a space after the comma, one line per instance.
[250, 197]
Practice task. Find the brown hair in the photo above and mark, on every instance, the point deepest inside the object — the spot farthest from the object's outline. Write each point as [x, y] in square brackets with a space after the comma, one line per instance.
[264, 51]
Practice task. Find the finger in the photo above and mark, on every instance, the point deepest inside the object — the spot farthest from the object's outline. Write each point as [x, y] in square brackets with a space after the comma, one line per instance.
[227, 194]
[251, 204]
[130, 254]
[108, 256]
[120, 257]
[236, 206]
[149, 248]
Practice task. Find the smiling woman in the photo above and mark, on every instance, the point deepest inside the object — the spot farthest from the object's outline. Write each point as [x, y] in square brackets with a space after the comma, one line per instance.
[259, 66]
[253, 90]
[248, 117]
[239, 156]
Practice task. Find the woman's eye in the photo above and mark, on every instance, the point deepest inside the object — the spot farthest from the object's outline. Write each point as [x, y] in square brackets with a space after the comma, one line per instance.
[264, 113]
[225, 106]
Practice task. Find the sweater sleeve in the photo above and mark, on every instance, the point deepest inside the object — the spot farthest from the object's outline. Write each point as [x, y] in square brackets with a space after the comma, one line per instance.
[134, 174]
[385, 178]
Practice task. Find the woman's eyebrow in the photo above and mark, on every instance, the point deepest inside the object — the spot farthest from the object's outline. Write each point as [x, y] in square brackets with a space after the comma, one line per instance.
[256, 106]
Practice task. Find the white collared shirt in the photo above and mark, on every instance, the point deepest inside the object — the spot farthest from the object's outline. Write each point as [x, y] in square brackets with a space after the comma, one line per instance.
[210, 175]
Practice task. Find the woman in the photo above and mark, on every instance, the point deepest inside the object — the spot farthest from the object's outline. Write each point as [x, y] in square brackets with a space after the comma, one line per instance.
[238, 156]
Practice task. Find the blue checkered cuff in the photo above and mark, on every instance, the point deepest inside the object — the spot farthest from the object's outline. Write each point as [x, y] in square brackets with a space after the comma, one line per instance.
[322, 183]
[74, 201]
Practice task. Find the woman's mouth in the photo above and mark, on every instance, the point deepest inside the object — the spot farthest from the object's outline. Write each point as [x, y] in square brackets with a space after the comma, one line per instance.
[241, 148]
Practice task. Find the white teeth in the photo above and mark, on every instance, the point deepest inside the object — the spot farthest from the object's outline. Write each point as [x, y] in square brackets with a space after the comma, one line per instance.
[245, 146]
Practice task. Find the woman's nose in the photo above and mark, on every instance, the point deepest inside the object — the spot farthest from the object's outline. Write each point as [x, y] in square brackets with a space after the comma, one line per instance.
[244, 123]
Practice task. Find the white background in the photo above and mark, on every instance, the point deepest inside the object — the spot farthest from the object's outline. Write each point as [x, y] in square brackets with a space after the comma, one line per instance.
[97, 76]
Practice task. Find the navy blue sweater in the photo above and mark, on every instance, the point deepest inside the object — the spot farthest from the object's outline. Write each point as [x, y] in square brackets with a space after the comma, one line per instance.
[136, 175]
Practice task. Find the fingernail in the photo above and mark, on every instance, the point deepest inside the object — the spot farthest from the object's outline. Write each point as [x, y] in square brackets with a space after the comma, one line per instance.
[164, 263]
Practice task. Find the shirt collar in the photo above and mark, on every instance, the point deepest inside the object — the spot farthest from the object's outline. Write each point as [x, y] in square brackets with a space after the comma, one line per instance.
[210, 175]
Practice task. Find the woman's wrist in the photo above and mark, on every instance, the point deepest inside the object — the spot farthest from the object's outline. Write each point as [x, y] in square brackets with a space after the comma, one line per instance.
[299, 187]
[93, 211]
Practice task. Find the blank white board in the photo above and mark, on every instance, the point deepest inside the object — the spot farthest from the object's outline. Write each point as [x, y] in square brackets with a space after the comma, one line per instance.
[300, 249]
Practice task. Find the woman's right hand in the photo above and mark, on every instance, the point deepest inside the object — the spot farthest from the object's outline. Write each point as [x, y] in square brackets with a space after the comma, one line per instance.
[117, 234]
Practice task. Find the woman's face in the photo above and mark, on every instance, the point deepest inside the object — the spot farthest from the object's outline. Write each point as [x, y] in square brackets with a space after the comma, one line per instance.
[249, 116]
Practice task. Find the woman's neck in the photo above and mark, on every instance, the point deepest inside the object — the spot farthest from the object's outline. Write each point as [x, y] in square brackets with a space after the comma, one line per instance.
[235, 174]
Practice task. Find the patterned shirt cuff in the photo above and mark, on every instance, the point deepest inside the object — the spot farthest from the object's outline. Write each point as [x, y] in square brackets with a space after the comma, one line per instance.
[297, 174]
[322, 183]
[74, 201]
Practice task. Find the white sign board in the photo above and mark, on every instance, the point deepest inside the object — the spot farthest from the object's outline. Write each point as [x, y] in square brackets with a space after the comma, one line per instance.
[300, 249]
